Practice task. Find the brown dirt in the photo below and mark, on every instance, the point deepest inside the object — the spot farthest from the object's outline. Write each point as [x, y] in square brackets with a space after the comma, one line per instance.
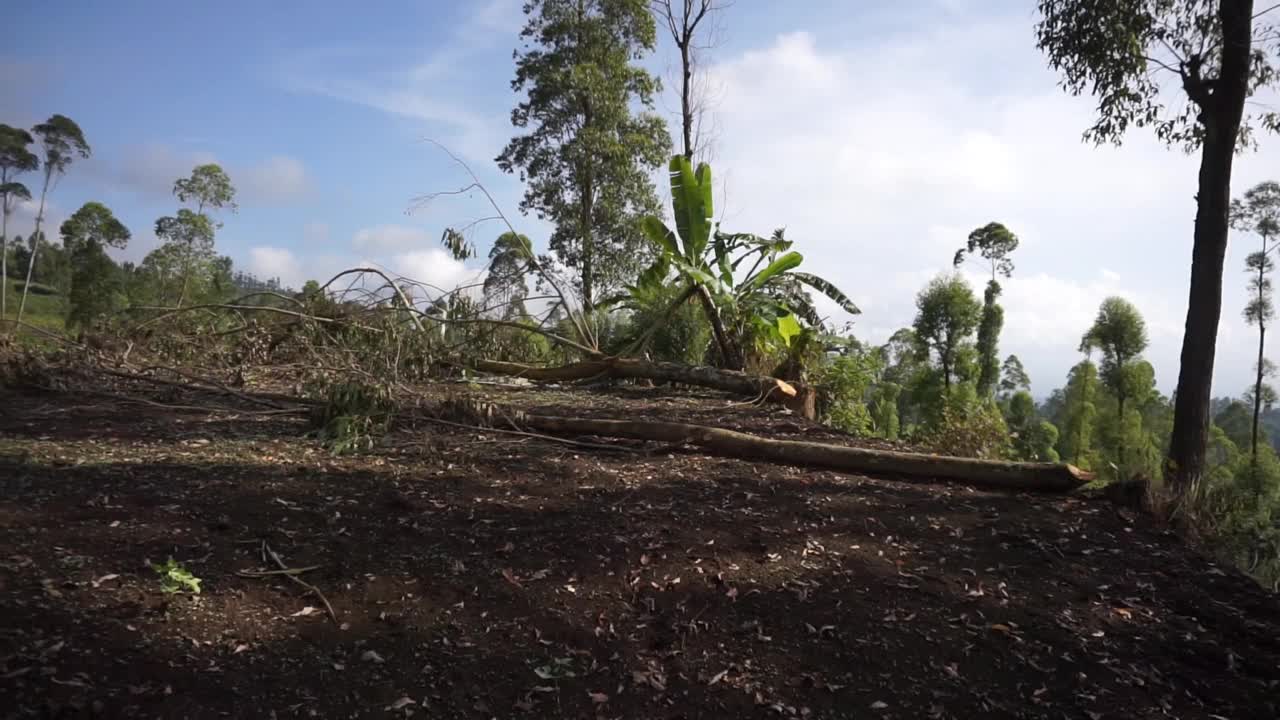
[477, 575]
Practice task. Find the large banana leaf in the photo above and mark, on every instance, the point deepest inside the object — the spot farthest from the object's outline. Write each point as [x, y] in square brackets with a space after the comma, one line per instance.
[787, 262]
[660, 234]
[826, 288]
[722, 259]
[691, 200]
[699, 275]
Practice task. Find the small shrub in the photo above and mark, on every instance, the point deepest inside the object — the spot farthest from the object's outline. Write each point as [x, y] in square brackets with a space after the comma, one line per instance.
[974, 429]
[354, 415]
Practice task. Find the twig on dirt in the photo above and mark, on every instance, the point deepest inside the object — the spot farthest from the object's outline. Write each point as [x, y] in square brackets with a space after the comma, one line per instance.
[265, 573]
[523, 433]
[292, 574]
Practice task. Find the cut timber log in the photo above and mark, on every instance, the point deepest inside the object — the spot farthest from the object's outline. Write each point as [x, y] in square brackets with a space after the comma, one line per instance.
[1032, 476]
[799, 399]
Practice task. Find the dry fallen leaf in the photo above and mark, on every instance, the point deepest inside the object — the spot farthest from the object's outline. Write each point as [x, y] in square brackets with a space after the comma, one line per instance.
[105, 578]
[304, 612]
[511, 577]
[372, 656]
[598, 698]
[402, 703]
[718, 677]
[879, 705]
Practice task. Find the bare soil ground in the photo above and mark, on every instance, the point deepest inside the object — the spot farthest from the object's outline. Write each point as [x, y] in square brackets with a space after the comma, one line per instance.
[481, 575]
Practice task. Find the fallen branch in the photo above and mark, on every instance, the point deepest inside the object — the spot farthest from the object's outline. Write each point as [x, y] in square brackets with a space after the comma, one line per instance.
[267, 573]
[1032, 476]
[799, 399]
[291, 573]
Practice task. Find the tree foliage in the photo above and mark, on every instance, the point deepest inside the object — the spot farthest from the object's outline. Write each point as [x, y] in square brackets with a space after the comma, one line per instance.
[208, 187]
[1258, 212]
[1120, 333]
[62, 141]
[946, 315]
[1013, 376]
[586, 156]
[994, 243]
[96, 285]
[15, 159]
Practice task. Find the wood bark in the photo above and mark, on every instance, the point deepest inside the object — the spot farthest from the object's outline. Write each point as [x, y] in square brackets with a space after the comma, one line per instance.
[1030, 476]
[1221, 110]
[800, 399]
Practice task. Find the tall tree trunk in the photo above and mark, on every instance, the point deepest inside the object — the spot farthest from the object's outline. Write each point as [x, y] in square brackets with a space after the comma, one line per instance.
[1221, 112]
[588, 250]
[1257, 392]
[4, 251]
[686, 107]
[35, 246]
[1120, 440]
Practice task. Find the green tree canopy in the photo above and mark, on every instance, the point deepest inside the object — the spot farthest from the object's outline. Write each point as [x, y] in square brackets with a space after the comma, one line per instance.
[208, 187]
[946, 315]
[1013, 376]
[1120, 333]
[62, 141]
[93, 224]
[994, 243]
[15, 158]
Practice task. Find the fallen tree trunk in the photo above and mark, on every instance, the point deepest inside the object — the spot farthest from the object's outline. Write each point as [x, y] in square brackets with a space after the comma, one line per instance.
[799, 398]
[1031, 476]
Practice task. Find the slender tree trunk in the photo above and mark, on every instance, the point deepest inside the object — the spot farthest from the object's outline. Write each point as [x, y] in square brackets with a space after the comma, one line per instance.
[1120, 440]
[35, 246]
[588, 250]
[4, 250]
[1257, 392]
[686, 107]
[1221, 112]
[730, 353]
[1083, 392]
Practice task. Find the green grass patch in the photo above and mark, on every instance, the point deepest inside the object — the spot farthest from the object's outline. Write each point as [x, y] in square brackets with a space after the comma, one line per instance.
[45, 311]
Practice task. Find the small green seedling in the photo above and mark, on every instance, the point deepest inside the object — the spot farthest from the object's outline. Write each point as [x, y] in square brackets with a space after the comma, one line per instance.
[175, 579]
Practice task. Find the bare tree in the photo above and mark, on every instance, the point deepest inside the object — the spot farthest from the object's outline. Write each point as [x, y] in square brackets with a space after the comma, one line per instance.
[691, 24]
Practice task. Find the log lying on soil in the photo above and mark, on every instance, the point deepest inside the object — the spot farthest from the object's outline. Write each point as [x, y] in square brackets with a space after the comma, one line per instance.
[1034, 476]
[798, 398]
[1049, 477]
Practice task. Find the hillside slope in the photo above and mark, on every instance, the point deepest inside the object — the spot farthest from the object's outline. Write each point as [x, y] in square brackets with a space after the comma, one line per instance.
[477, 575]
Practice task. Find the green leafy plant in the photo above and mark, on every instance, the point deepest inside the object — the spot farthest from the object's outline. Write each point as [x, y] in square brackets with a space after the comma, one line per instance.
[174, 578]
[972, 429]
[749, 288]
[353, 416]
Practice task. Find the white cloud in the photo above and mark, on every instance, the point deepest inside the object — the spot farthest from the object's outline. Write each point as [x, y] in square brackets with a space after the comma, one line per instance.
[152, 168]
[435, 91]
[879, 160]
[276, 180]
[274, 262]
[390, 238]
[436, 269]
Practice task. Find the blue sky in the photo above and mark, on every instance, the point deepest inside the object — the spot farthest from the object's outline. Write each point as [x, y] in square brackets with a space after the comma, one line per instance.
[878, 133]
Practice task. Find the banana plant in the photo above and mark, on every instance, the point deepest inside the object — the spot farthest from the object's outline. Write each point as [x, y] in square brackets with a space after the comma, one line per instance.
[767, 299]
